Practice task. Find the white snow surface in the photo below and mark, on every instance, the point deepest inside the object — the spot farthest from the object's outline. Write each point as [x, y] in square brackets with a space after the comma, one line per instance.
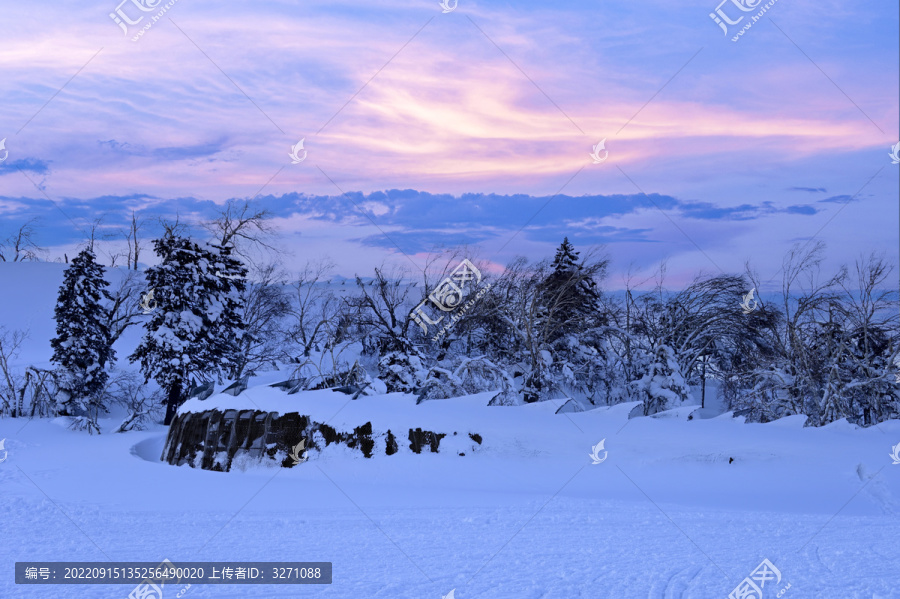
[525, 515]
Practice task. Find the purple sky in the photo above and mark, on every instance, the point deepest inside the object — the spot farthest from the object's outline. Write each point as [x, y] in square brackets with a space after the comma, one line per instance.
[471, 121]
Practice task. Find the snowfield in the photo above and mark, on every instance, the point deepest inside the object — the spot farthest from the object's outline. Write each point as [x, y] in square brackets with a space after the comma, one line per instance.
[679, 508]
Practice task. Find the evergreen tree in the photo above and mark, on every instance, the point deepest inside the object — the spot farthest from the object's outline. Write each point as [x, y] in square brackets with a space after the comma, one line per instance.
[566, 259]
[82, 346]
[195, 328]
[570, 293]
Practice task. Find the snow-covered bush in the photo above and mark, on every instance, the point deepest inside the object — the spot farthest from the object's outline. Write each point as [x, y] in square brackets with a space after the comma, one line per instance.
[141, 401]
[472, 375]
[323, 370]
[662, 386]
[12, 384]
[402, 372]
[829, 352]
[84, 423]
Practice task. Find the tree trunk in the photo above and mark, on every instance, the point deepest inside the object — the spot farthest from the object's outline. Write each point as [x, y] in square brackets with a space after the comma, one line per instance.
[703, 385]
[174, 400]
[20, 400]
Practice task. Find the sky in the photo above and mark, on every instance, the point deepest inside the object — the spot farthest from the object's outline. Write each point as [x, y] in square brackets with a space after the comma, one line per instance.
[424, 129]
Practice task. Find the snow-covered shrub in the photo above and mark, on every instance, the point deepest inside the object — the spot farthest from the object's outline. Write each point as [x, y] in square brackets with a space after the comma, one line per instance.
[662, 386]
[327, 369]
[764, 395]
[472, 375]
[44, 392]
[481, 374]
[546, 377]
[11, 382]
[402, 371]
[589, 366]
[876, 393]
[440, 383]
[84, 423]
[141, 401]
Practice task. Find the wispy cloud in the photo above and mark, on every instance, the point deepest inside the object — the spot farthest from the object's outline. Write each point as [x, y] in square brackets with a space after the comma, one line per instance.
[841, 199]
[707, 211]
[33, 165]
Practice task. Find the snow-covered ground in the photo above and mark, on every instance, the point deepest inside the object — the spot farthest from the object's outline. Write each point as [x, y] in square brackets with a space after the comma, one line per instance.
[679, 508]
[526, 516]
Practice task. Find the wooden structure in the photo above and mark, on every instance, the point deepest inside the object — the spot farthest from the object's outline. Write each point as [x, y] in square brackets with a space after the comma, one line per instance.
[213, 440]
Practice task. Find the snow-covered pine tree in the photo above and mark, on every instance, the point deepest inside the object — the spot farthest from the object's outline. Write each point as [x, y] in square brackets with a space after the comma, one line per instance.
[195, 329]
[82, 347]
[566, 257]
[570, 292]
